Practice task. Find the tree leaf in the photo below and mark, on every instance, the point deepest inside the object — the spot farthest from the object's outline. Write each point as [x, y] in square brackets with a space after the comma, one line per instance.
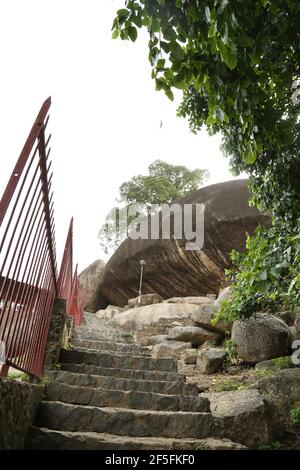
[115, 34]
[132, 33]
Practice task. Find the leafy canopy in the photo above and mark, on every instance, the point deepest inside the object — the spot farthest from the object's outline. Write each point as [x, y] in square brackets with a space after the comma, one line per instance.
[237, 63]
[163, 184]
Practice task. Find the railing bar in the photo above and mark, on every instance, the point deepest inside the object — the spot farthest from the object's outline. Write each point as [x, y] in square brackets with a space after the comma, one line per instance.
[17, 268]
[24, 239]
[42, 270]
[44, 179]
[23, 158]
[41, 309]
[36, 248]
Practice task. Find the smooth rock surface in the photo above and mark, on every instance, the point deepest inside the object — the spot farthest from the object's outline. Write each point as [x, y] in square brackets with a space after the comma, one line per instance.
[137, 319]
[90, 285]
[173, 271]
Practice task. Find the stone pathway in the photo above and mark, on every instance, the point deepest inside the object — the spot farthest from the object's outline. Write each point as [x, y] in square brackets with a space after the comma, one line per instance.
[110, 394]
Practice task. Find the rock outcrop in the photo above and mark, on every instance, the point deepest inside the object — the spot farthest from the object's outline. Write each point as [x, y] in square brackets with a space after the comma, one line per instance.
[138, 318]
[173, 271]
[90, 282]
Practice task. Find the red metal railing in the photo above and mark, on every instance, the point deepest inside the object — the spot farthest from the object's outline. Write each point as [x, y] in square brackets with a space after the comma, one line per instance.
[67, 283]
[28, 270]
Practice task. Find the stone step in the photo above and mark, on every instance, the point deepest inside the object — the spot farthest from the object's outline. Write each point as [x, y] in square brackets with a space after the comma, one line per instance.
[146, 353]
[124, 399]
[48, 439]
[116, 383]
[106, 346]
[101, 331]
[101, 336]
[125, 422]
[123, 373]
[117, 361]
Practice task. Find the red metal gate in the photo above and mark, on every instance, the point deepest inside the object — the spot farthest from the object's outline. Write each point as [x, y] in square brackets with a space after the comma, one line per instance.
[28, 269]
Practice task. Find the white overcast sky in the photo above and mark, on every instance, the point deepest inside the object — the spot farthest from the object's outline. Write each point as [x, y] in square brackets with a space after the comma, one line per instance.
[105, 113]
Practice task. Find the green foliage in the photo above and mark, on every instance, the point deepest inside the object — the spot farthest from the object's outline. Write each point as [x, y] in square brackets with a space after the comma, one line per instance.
[266, 276]
[274, 445]
[237, 64]
[21, 376]
[284, 362]
[264, 372]
[164, 184]
[57, 366]
[226, 386]
[295, 415]
[231, 353]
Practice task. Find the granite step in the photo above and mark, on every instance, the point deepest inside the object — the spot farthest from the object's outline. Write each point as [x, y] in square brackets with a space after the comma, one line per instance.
[116, 383]
[65, 393]
[123, 373]
[114, 360]
[49, 439]
[106, 346]
[124, 422]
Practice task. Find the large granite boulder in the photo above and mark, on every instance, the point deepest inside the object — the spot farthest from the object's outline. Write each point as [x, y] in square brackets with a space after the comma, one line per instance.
[260, 338]
[90, 283]
[170, 269]
[243, 415]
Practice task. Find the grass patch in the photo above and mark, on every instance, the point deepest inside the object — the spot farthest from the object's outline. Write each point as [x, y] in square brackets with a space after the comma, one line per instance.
[227, 386]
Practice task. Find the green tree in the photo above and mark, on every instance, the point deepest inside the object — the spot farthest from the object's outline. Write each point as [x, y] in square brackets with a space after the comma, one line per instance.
[163, 184]
[238, 65]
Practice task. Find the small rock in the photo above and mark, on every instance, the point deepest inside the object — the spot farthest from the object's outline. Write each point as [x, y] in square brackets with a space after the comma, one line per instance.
[210, 360]
[189, 356]
[193, 334]
[168, 350]
[211, 296]
[147, 299]
[204, 316]
[260, 338]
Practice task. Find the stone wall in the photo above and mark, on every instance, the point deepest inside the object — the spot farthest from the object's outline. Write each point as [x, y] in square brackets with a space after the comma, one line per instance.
[18, 405]
[60, 331]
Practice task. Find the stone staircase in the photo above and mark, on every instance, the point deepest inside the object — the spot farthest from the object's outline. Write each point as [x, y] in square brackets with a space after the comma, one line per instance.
[110, 394]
